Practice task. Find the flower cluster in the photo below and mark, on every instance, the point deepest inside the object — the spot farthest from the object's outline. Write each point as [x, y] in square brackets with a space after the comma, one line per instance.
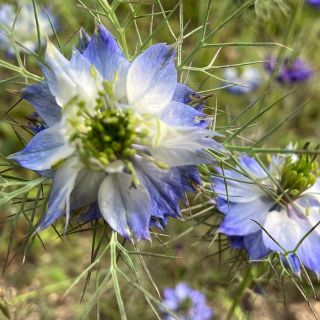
[315, 3]
[24, 27]
[120, 138]
[288, 71]
[272, 209]
[241, 83]
[186, 303]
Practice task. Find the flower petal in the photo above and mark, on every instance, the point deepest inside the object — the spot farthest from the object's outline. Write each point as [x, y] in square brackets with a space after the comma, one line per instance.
[186, 95]
[46, 149]
[125, 208]
[86, 188]
[252, 167]
[179, 114]
[235, 187]
[285, 231]
[288, 231]
[63, 184]
[190, 178]
[83, 40]
[241, 218]
[70, 79]
[43, 101]
[152, 79]
[104, 53]
[185, 146]
[92, 213]
[255, 245]
[164, 186]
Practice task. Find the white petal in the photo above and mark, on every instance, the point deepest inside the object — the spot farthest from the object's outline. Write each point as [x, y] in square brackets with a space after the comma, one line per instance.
[183, 146]
[70, 79]
[125, 208]
[86, 188]
[152, 79]
[284, 230]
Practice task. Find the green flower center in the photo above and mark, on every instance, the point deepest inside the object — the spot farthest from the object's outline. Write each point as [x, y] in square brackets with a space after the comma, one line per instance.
[185, 306]
[107, 136]
[298, 176]
[111, 135]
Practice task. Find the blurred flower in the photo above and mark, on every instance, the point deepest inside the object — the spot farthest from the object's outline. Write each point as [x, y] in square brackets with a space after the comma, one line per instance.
[241, 83]
[289, 71]
[186, 303]
[274, 210]
[122, 140]
[315, 3]
[22, 24]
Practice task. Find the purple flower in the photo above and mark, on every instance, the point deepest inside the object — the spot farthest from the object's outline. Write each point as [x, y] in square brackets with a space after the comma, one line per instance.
[122, 138]
[241, 82]
[315, 3]
[186, 303]
[274, 211]
[290, 71]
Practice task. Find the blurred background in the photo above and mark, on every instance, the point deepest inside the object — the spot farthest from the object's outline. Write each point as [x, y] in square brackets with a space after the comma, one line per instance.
[259, 74]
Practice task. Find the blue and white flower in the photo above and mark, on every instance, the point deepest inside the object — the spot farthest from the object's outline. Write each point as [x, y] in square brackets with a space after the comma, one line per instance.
[121, 138]
[186, 302]
[22, 24]
[239, 83]
[273, 209]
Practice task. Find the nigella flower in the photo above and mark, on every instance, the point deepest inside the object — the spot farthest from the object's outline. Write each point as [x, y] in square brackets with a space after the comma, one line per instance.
[22, 24]
[290, 71]
[241, 82]
[121, 139]
[315, 3]
[277, 211]
[186, 303]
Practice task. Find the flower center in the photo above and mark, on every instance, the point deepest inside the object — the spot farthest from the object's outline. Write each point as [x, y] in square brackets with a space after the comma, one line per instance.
[185, 306]
[108, 135]
[298, 176]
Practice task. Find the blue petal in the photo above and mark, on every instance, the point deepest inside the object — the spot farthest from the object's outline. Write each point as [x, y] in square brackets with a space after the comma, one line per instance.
[92, 213]
[125, 208]
[235, 187]
[241, 218]
[293, 261]
[186, 95]
[152, 79]
[46, 149]
[164, 186]
[43, 101]
[59, 202]
[104, 53]
[255, 245]
[36, 123]
[252, 167]
[179, 114]
[190, 178]
[83, 41]
[222, 205]
[86, 190]
[159, 223]
[288, 229]
[236, 242]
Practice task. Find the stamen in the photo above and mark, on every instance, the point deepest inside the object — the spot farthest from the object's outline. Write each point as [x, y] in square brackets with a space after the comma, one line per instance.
[298, 176]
